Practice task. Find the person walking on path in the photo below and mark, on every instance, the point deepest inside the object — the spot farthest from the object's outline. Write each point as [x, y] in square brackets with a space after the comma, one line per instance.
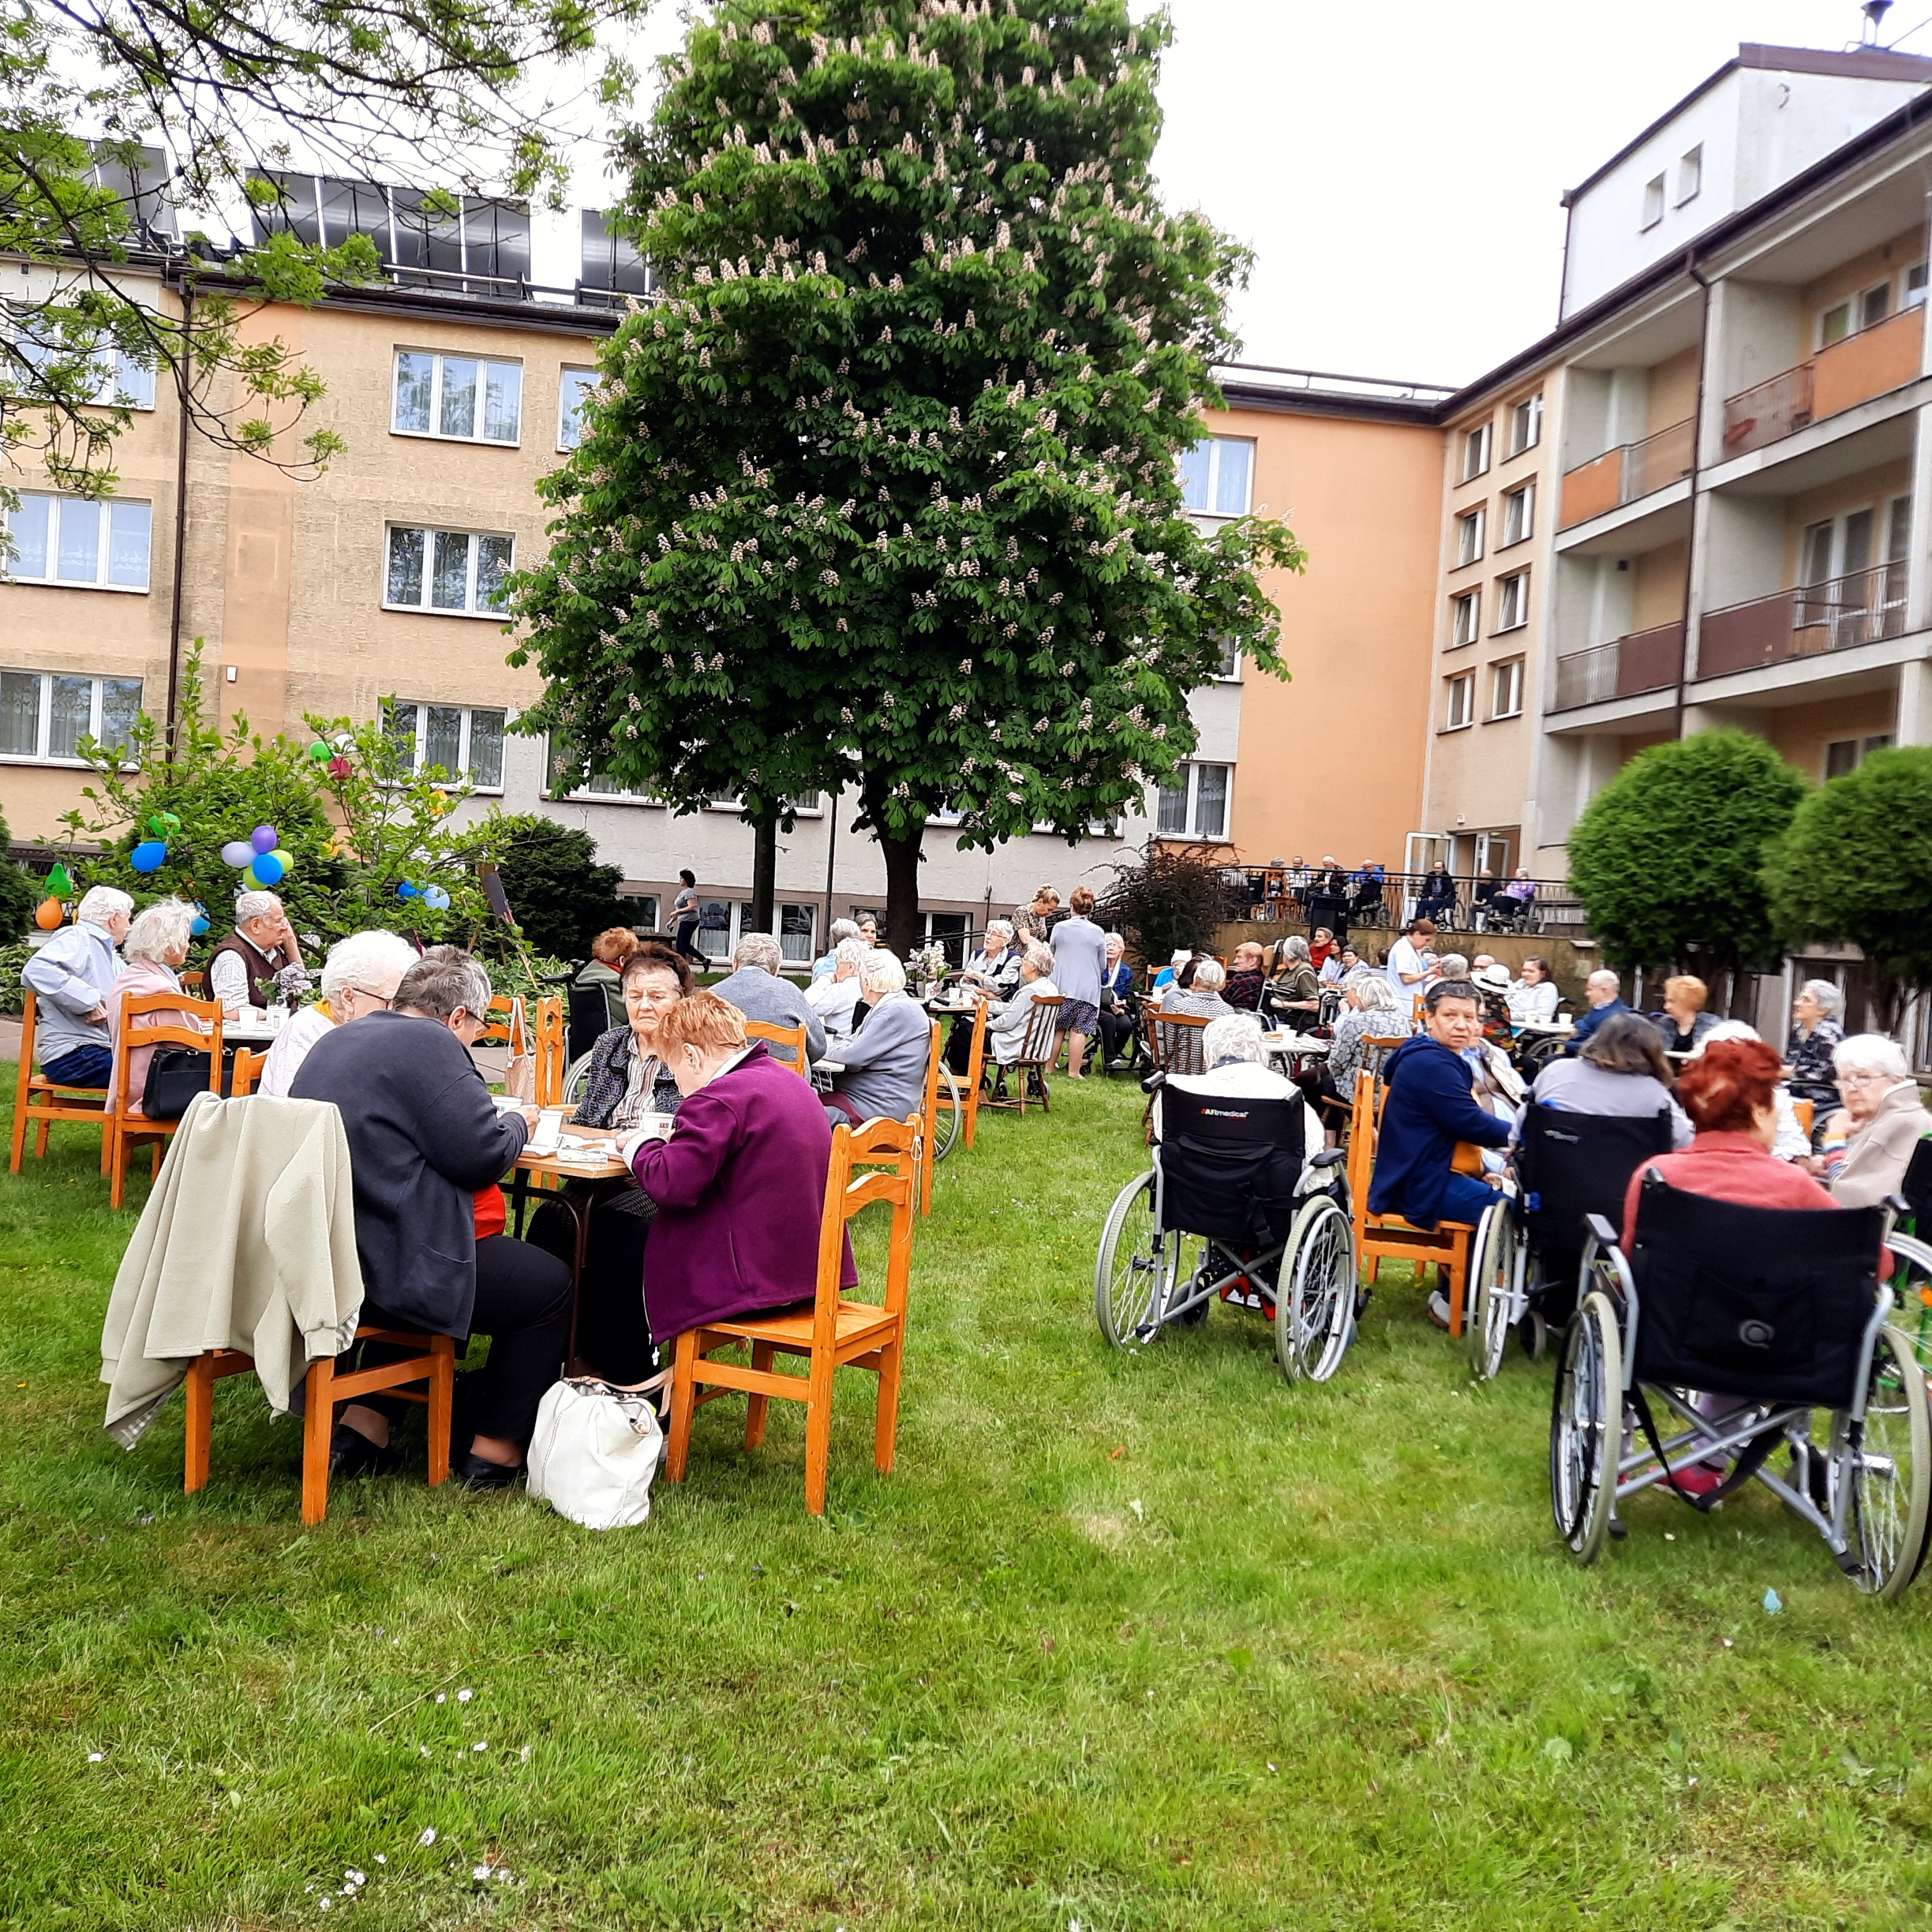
[685, 917]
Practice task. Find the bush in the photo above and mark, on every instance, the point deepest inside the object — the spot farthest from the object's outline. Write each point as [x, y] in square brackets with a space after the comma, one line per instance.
[1168, 898]
[561, 896]
[13, 958]
[20, 891]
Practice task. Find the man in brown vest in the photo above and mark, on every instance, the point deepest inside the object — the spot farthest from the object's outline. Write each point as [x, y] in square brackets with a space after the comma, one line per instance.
[242, 970]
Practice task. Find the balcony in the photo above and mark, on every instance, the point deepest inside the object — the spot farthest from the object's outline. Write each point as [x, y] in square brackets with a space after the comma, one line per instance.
[1874, 362]
[1646, 661]
[1624, 474]
[1864, 608]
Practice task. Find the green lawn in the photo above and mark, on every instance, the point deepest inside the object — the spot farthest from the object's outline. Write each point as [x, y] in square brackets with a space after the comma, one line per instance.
[1132, 1642]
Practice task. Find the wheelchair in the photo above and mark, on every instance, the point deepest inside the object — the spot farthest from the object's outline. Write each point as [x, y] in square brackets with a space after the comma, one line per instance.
[1781, 1310]
[1233, 1207]
[1568, 1167]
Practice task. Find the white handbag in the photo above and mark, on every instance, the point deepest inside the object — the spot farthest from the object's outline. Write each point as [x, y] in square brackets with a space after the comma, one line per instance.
[597, 1446]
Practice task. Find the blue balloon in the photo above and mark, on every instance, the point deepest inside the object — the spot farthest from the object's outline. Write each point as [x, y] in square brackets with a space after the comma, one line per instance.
[150, 855]
[269, 868]
[406, 890]
[199, 924]
[238, 853]
[436, 898]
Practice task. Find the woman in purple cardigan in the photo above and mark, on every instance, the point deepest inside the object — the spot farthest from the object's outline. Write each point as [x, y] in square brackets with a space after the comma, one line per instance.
[740, 1184]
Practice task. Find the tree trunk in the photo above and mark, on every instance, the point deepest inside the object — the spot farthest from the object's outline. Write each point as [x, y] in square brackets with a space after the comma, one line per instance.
[902, 864]
[765, 876]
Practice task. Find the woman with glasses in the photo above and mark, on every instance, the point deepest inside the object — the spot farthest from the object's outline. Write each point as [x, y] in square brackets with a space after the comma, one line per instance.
[360, 976]
[1881, 1122]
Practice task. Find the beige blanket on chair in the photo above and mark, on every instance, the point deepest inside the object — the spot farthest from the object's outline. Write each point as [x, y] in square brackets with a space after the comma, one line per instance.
[248, 1241]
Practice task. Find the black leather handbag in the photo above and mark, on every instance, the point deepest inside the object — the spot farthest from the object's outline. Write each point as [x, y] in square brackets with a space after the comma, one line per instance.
[175, 1075]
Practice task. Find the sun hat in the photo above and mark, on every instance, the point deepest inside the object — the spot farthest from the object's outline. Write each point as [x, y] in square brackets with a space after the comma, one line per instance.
[1491, 979]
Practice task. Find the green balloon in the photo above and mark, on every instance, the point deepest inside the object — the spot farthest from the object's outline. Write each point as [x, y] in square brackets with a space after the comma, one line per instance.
[318, 751]
[60, 883]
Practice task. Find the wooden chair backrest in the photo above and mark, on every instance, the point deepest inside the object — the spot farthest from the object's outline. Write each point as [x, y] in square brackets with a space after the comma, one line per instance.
[889, 1152]
[551, 1056]
[1175, 1039]
[1036, 1046]
[793, 1037]
[1807, 1111]
[976, 1064]
[933, 1054]
[1377, 1047]
[195, 982]
[248, 1066]
[128, 1039]
[1360, 1162]
[508, 1024]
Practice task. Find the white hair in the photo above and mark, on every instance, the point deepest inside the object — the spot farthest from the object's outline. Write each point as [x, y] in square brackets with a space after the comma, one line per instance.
[1453, 966]
[1870, 1053]
[1372, 989]
[1293, 947]
[881, 971]
[756, 949]
[163, 928]
[999, 926]
[1725, 1030]
[1040, 958]
[1233, 1036]
[1116, 939]
[843, 929]
[101, 904]
[1603, 977]
[1210, 975]
[368, 961]
[254, 905]
[852, 951]
[1829, 997]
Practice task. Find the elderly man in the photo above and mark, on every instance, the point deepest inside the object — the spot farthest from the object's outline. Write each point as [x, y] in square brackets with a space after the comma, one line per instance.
[69, 977]
[1605, 991]
[242, 970]
[359, 977]
[883, 1063]
[758, 990]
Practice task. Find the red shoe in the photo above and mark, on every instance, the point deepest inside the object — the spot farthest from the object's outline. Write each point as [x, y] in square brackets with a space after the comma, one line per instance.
[1699, 1479]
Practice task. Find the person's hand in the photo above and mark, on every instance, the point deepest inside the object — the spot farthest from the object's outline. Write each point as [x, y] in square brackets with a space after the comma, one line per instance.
[97, 1017]
[531, 1115]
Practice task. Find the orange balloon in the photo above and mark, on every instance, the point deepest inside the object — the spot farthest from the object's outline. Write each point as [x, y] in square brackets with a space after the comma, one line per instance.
[49, 915]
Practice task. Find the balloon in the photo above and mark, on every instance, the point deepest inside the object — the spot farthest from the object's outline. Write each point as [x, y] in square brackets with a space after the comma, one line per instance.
[199, 924]
[150, 855]
[436, 899]
[406, 890]
[49, 914]
[265, 838]
[318, 751]
[266, 871]
[340, 768]
[287, 863]
[170, 822]
[237, 852]
[60, 883]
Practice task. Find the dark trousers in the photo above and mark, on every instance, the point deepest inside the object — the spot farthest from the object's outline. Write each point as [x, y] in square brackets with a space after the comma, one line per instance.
[1117, 1030]
[85, 1066]
[613, 1332]
[686, 929]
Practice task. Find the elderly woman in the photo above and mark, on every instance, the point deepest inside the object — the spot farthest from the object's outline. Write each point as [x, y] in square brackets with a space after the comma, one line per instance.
[1371, 1009]
[1201, 996]
[1006, 1020]
[1234, 1059]
[1621, 1073]
[359, 977]
[1532, 998]
[1245, 979]
[1791, 1143]
[627, 1079]
[996, 965]
[834, 997]
[1881, 1123]
[1117, 1017]
[1683, 1021]
[1338, 965]
[1321, 947]
[883, 1063]
[842, 930]
[1293, 992]
[605, 970]
[156, 946]
[1818, 1025]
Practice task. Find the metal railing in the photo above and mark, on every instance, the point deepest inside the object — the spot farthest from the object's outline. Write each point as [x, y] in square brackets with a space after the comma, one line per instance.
[1769, 411]
[1628, 473]
[1864, 607]
[1464, 902]
[1627, 667]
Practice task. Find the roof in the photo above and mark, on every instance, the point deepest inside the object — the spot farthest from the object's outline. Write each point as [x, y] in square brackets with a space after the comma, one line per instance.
[1322, 392]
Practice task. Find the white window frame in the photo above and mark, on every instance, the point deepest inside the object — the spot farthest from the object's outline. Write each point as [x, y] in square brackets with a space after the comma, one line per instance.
[1459, 701]
[1860, 748]
[1512, 589]
[1230, 671]
[1526, 424]
[1912, 285]
[1465, 619]
[1191, 826]
[1476, 447]
[423, 706]
[439, 358]
[1469, 533]
[1652, 204]
[103, 509]
[1215, 444]
[1518, 515]
[43, 731]
[1506, 682]
[565, 441]
[1689, 175]
[429, 532]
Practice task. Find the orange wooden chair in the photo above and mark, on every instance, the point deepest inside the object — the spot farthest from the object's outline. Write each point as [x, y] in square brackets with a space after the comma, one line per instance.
[1037, 1049]
[975, 1073]
[248, 1066]
[1807, 1111]
[552, 1056]
[836, 1334]
[432, 1361]
[793, 1037]
[125, 1130]
[43, 1101]
[934, 1053]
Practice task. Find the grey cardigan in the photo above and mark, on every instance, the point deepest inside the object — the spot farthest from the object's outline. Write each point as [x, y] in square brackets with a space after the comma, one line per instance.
[763, 996]
[885, 1061]
[1878, 1154]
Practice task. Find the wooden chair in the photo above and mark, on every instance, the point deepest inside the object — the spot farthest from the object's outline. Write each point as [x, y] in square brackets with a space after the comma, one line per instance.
[1175, 1041]
[1038, 1045]
[431, 1360]
[836, 1334]
[934, 1053]
[124, 1129]
[551, 1056]
[1389, 1238]
[1807, 1111]
[975, 1072]
[248, 1066]
[38, 1099]
[793, 1037]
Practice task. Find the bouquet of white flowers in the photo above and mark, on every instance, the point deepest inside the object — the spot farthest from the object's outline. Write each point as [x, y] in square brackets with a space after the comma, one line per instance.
[927, 965]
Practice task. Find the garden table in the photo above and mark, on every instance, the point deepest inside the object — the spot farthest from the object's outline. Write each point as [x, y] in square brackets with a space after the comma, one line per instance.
[599, 1164]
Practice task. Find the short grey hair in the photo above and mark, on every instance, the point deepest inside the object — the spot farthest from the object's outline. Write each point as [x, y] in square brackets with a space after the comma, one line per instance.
[1004, 927]
[163, 928]
[367, 962]
[756, 949]
[1372, 989]
[881, 971]
[101, 904]
[438, 986]
[253, 905]
[1210, 975]
[1116, 939]
[1453, 966]
[1870, 1053]
[1829, 997]
[1725, 1030]
[851, 951]
[1233, 1036]
[1040, 958]
[844, 929]
[1293, 947]
[1603, 977]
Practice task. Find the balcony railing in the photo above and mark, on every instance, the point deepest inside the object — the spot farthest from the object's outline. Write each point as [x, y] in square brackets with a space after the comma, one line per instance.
[1864, 608]
[1646, 661]
[1874, 362]
[1627, 473]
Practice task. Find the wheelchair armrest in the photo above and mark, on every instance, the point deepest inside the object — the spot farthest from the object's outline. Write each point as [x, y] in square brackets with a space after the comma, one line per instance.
[1606, 1234]
[1154, 1083]
[1897, 1206]
[1330, 1157]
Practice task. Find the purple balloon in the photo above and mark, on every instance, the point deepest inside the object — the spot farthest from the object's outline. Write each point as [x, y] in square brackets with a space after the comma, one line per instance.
[263, 838]
[238, 853]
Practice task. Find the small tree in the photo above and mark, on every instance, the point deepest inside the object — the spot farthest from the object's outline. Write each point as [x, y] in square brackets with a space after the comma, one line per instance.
[1168, 898]
[1855, 864]
[19, 890]
[1668, 857]
[562, 897]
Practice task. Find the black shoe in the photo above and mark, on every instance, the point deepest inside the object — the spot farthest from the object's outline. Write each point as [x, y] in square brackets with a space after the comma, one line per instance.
[351, 1453]
[473, 1472]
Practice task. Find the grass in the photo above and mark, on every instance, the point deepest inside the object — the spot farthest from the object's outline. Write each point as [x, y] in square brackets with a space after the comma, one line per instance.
[1139, 1642]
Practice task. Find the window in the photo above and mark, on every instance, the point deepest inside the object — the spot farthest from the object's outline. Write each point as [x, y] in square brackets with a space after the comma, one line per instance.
[573, 386]
[456, 397]
[796, 926]
[1913, 288]
[1465, 617]
[1690, 174]
[1526, 424]
[1836, 326]
[1461, 701]
[45, 714]
[1468, 537]
[1194, 803]
[1519, 515]
[121, 379]
[467, 244]
[643, 908]
[1230, 673]
[1217, 476]
[454, 570]
[1513, 601]
[1847, 754]
[72, 541]
[1874, 306]
[1475, 451]
[1653, 203]
[1506, 689]
[465, 742]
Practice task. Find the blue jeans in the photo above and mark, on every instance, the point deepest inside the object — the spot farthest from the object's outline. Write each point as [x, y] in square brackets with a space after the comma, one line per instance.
[85, 1066]
[1467, 1199]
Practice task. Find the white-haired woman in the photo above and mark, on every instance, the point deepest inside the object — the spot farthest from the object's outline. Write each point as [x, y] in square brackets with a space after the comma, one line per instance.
[1882, 1120]
[1371, 1009]
[1202, 997]
[156, 946]
[842, 930]
[996, 965]
[1006, 1020]
[360, 976]
[1818, 1026]
[832, 997]
[883, 1063]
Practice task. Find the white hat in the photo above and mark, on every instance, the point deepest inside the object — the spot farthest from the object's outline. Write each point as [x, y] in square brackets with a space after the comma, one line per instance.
[1491, 979]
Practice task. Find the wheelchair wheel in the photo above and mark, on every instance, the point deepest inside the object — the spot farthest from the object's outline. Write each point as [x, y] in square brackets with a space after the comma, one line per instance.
[1315, 1296]
[1891, 1469]
[1496, 1262]
[1586, 1433]
[1130, 1274]
[946, 1115]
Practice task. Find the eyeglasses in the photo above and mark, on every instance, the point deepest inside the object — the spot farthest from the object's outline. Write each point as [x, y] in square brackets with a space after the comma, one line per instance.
[1862, 1079]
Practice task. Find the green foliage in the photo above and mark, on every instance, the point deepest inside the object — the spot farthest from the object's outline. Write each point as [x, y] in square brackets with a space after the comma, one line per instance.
[885, 490]
[562, 897]
[1169, 897]
[19, 890]
[12, 959]
[1669, 857]
[1855, 864]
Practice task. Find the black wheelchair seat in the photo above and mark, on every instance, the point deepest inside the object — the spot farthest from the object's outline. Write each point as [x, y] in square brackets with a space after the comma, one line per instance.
[1569, 1164]
[1230, 1165]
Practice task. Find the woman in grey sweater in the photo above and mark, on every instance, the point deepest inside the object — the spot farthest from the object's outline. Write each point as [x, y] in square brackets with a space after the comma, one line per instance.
[1621, 1073]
